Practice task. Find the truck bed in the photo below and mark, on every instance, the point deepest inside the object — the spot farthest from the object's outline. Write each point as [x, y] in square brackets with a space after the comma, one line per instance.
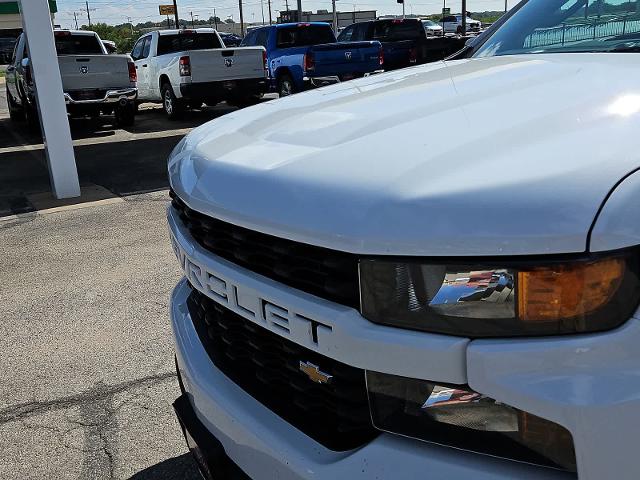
[347, 59]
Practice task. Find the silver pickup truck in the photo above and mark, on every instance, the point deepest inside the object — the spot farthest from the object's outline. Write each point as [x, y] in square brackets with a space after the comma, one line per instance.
[93, 81]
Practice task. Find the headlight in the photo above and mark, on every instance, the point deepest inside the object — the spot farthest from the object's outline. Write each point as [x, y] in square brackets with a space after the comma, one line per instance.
[461, 418]
[501, 298]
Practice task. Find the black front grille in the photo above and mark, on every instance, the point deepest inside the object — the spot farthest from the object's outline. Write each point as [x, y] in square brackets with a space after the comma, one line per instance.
[267, 367]
[329, 274]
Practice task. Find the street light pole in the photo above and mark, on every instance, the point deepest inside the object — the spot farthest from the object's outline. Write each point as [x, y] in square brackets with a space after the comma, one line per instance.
[299, 10]
[175, 12]
[334, 18]
[215, 19]
[270, 19]
[262, 9]
[241, 19]
[464, 17]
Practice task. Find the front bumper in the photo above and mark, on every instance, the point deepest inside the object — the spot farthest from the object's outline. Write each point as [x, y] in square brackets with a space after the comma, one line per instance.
[590, 384]
[266, 447]
[122, 96]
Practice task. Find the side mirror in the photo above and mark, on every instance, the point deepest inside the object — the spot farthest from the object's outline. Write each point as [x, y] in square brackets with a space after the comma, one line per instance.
[25, 62]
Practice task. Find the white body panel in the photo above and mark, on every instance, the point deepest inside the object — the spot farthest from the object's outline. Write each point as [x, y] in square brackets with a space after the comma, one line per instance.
[207, 66]
[413, 183]
[618, 224]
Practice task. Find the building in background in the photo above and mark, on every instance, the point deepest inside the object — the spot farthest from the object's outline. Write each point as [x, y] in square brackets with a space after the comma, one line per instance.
[11, 26]
[344, 18]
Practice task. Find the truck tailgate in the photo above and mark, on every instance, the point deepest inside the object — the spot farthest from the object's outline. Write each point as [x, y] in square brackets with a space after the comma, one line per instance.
[226, 64]
[346, 58]
[83, 72]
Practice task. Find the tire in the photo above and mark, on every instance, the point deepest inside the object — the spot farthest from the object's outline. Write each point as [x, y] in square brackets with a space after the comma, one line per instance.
[125, 116]
[286, 86]
[171, 105]
[15, 112]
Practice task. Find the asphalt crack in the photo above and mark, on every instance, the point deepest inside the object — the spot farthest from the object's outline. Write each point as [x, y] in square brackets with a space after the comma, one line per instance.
[99, 393]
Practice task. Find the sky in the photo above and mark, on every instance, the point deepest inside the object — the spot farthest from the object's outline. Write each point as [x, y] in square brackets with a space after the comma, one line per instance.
[116, 12]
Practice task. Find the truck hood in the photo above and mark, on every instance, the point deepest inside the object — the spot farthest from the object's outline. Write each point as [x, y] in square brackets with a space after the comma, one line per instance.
[498, 156]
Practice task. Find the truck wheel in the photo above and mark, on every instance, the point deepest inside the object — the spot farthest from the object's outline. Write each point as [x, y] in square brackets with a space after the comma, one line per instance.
[15, 113]
[125, 116]
[285, 85]
[171, 105]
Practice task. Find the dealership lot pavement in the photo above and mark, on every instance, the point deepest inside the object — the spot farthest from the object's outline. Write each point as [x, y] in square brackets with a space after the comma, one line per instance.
[87, 360]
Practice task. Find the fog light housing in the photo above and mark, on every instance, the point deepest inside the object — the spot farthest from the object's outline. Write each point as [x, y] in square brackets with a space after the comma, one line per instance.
[459, 417]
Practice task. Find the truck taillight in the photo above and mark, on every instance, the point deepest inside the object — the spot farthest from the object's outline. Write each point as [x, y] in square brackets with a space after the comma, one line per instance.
[133, 75]
[381, 56]
[185, 66]
[309, 61]
[264, 60]
[413, 55]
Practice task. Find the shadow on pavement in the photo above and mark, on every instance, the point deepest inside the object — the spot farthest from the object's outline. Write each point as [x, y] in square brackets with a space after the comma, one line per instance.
[182, 467]
[122, 168]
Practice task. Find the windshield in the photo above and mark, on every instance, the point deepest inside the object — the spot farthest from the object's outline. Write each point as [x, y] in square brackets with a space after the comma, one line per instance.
[561, 26]
[429, 23]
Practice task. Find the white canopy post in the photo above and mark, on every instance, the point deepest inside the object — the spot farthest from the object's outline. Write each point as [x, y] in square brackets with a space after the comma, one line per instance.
[36, 19]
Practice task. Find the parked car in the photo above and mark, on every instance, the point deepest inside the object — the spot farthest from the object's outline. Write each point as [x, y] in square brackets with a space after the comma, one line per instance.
[110, 46]
[305, 55]
[230, 39]
[472, 225]
[186, 68]
[431, 28]
[404, 41]
[93, 81]
[453, 24]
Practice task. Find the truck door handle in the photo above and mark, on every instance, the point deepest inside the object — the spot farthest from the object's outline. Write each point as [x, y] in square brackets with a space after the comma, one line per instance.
[145, 65]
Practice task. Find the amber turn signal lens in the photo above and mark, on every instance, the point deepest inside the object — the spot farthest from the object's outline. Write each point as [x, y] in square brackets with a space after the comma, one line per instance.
[567, 291]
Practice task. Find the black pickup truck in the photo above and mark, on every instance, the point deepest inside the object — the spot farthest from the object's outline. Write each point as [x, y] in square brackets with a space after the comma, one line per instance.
[404, 41]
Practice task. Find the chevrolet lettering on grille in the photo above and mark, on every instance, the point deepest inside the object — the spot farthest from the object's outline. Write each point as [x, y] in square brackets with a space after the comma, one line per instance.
[249, 303]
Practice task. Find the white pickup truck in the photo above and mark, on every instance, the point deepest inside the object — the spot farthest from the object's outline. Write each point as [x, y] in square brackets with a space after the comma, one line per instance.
[431, 273]
[93, 81]
[186, 68]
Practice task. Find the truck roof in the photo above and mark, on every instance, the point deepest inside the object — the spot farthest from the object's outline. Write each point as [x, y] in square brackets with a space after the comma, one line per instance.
[75, 32]
[175, 31]
[293, 24]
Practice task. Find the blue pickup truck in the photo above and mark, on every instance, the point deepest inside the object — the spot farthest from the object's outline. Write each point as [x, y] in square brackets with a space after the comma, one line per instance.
[306, 55]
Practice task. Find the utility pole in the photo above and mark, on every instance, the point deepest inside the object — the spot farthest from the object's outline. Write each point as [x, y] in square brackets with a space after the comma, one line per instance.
[130, 24]
[88, 12]
[175, 11]
[299, 10]
[241, 19]
[215, 19]
[192, 24]
[403, 15]
[505, 6]
[464, 17]
[75, 17]
[270, 19]
[334, 17]
[262, 8]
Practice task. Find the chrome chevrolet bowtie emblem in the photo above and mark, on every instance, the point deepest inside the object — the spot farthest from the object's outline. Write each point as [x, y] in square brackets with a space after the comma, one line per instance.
[314, 373]
[347, 55]
[84, 69]
[228, 62]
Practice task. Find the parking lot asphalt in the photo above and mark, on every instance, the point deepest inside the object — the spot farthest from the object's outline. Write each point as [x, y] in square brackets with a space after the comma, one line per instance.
[87, 358]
